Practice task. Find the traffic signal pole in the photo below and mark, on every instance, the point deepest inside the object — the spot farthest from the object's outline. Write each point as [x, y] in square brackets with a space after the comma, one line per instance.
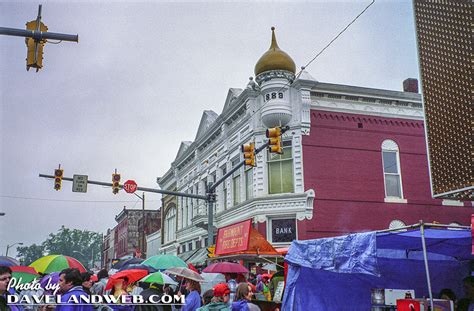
[101, 183]
[37, 34]
[210, 196]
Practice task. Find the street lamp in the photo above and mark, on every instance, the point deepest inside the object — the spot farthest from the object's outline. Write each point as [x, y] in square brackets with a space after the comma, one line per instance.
[11, 245]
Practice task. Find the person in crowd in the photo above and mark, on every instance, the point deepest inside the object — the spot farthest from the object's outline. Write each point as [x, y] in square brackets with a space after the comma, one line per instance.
[99, 287]
[447, 294]
[119, 287]
[5, 277]
[467, 303]
[70, 284]
[86, 282]
[220, 300]
[193, 299]
[276, 278]
[252, 279]
[153, 290]
[243, 298]
[207, 297]
[232, 283]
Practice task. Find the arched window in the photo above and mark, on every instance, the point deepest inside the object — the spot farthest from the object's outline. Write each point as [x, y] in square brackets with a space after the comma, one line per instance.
[394, 224]
[391, 170]
[169, 233]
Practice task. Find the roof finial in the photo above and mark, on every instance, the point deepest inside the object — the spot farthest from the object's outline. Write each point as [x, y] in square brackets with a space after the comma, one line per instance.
[274, 45]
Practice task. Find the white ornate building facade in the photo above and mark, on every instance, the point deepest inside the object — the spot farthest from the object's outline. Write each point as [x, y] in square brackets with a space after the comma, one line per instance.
[275, 191]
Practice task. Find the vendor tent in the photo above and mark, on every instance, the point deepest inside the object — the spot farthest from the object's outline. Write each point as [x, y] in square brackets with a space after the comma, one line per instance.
[338, 273]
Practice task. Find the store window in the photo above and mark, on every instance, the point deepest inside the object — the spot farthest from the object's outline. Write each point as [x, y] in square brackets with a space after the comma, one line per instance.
[280, 170]
[391, 170]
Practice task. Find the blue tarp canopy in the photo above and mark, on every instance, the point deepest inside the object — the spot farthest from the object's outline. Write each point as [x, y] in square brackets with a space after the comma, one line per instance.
[338, 273]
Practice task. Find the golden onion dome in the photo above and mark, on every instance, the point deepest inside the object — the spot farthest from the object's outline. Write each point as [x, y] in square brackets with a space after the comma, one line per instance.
[274, 59]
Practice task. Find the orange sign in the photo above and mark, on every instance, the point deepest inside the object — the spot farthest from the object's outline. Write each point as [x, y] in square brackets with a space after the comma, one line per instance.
[233, 238]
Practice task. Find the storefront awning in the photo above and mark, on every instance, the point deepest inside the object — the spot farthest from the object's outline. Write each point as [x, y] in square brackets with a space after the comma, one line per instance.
[258, 247]
[199, 257]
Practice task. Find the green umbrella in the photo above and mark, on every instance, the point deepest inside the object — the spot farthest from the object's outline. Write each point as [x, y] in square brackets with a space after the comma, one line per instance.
[163, 262]
[158, 278]
[24, 274]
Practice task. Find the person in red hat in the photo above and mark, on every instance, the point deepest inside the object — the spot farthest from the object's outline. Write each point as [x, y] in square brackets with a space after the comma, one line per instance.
[220, 299]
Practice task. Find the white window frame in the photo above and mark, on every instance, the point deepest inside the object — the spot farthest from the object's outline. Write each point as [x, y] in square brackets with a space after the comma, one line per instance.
[389, 145]
[285, 144]
[170, 222]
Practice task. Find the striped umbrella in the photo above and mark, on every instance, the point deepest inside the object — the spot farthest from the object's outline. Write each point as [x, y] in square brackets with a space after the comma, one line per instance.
[56, 263]
[8, 261]
[24, 274]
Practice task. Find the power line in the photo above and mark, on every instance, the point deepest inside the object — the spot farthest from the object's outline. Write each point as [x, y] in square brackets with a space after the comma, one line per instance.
[323, 49]
[73, 201]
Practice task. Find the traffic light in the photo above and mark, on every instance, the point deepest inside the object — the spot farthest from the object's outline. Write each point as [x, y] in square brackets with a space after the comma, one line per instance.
[34, 56]
[211, 251]
[274, 141]
[115, 183]
[249, 154]
[58, 178]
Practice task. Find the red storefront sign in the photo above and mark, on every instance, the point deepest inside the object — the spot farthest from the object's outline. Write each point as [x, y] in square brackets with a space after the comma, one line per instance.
[233, 238]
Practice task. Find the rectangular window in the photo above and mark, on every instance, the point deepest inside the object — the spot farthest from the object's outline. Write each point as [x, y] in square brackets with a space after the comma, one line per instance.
[224, 186]
[280, 170]
[236, 189]
[391, 171]
[190, 246]
[248, 183]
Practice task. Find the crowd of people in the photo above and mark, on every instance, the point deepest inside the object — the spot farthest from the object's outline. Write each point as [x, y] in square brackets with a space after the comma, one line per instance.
[235, 294]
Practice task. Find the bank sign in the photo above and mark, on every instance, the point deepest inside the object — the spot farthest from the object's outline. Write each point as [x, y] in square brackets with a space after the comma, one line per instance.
[233, 238]
[283, 230]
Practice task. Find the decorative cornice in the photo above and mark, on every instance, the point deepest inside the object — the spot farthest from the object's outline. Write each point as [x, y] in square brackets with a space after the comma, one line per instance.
[335, 116]
[274, 74]
[374, 109]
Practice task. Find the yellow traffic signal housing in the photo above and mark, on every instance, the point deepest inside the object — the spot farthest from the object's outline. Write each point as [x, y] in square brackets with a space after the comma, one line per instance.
[274, 141]
[115, 183]
[58, 178]
[249, 154]
[211, 251]
[34, 56]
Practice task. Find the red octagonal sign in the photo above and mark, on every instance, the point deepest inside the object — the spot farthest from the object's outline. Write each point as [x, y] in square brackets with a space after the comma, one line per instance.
[130, 186]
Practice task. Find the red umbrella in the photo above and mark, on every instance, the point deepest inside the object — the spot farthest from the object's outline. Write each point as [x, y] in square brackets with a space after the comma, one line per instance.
[225, 267]
[190, 266]
[130, 276]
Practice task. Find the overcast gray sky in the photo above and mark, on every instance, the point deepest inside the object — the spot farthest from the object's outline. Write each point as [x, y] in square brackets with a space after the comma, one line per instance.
[137, 82]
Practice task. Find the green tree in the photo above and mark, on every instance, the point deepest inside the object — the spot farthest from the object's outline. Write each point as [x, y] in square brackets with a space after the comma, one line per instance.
[28, 254]
[83, 245]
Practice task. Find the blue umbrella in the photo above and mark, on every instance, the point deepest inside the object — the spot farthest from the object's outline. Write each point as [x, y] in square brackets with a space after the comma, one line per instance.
[139, 267]
[8, 261]
[124, 262]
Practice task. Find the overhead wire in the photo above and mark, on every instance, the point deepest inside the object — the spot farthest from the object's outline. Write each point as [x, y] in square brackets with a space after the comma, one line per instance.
[322, 50]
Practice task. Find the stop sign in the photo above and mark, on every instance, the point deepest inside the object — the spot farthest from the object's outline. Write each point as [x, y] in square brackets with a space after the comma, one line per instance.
[130, 186]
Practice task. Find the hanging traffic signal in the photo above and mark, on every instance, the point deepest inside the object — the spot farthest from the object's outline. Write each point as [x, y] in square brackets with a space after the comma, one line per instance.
[115, 183]
[34, 57]
[274, 139]
[58, 178]
[249, 154]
